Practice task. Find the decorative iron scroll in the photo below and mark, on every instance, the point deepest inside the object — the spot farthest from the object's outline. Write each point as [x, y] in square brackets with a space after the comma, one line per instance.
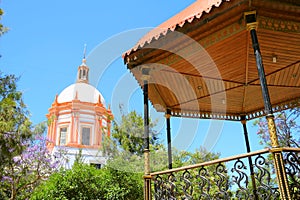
[204, 185]
[241, 180]
[171, 187]
[187, 185]
[266, 189]
[222, 181]
[292, 166]
[228, 180]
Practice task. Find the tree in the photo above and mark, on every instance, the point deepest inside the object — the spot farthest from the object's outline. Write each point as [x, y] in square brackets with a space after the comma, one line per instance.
[126, 145]
[183, 158]
[18, 159]
[86, 182]
[24, 159]
[123, 185]
[132, 163]
[27, 170]
[287, 125]
[81, 182]
[2, 28]
[15, 126]
[129, 133]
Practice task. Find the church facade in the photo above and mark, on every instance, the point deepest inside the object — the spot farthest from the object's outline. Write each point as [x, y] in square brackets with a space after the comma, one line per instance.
[79, 120]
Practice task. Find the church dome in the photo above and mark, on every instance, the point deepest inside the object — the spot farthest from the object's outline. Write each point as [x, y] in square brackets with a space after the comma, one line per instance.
[81, 120]
[81, 91]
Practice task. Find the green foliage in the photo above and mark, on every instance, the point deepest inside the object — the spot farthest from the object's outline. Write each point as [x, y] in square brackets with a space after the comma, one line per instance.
[132, 163]
[125, 147]
[14, 128]
[2, 28]
[87, 182]
[129, 134]
[14, 120]
[78, 183]
[123, 185]
[183, 158]
[24, 159]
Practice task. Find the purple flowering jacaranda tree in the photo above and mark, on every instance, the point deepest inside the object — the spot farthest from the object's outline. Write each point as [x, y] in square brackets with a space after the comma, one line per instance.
[27, 170]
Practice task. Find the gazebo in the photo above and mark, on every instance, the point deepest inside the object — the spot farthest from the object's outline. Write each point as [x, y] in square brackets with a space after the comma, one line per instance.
[225, 60]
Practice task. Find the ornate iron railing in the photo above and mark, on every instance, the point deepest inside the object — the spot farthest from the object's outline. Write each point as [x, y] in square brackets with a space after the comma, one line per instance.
[229, 178]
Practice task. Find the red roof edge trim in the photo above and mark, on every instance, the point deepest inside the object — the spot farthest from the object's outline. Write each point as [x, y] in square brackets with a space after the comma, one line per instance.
[193, 11]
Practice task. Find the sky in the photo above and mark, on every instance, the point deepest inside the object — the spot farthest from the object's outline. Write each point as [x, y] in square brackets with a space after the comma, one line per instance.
[45, 45]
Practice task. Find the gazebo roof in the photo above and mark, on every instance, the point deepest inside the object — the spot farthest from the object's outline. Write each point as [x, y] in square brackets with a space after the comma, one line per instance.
[202, 63]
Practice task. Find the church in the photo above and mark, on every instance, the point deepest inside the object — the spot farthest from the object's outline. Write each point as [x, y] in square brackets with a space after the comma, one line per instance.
[79, 121]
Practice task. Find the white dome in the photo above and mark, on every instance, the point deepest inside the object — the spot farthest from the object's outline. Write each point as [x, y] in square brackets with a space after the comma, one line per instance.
[85, 93]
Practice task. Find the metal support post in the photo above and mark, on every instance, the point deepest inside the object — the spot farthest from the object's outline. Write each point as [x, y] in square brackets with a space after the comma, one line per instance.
[147, 177]
[250, 18]
[168, 116]
[249, 158]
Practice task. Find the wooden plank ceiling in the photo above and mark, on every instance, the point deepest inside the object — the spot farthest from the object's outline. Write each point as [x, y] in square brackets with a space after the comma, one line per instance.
[206, 68]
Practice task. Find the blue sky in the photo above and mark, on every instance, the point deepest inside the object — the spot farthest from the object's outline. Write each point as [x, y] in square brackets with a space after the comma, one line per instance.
[45, 46]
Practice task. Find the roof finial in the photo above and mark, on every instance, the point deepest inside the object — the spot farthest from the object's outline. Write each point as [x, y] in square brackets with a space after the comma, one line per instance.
[84, 51]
